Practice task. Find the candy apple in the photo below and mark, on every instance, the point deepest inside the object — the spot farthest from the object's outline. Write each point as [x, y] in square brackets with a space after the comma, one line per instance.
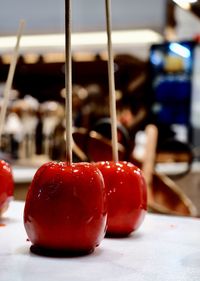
[6, 185]
[126, 196]
[65, 208]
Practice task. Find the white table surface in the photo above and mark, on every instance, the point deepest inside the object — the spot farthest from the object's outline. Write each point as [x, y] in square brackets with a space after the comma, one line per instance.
[164, 248]
[23, 174]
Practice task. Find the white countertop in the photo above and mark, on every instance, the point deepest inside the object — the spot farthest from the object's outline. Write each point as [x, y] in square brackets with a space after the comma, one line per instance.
[23, 174]
[165, 248]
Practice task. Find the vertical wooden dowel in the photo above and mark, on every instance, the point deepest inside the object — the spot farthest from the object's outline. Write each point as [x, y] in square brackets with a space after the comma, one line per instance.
[8, 85]
[68, 81]
[112, 95]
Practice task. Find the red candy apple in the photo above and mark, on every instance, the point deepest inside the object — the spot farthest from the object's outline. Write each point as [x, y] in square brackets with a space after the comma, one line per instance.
[65, 208]
[6, 185]
[126, 197]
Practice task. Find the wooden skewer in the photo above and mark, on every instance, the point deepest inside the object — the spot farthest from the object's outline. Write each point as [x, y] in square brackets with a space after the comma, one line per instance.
[7, 89]
[149, 156]
[68, 81]
[112, 97]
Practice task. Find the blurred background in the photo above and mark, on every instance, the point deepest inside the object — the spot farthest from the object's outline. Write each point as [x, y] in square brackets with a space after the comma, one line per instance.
[157, 68]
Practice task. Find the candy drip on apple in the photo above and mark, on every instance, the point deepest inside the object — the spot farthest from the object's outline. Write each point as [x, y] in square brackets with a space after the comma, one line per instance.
[126, 196]
[6, 186]
[65, 208]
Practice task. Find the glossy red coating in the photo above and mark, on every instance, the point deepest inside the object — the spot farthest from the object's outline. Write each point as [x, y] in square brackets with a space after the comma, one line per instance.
[126, 196]
[65, 208]
[6, 185]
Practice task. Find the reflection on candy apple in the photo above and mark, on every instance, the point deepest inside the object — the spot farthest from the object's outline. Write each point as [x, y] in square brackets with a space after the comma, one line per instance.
[65, 208]
[6, 185]
[126, 196]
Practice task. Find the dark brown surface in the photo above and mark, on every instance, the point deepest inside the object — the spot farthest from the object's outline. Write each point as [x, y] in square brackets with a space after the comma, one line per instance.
[20, 191]
[190, 184]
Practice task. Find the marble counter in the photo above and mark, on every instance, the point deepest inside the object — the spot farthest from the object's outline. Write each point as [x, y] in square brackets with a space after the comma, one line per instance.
[165, 248]
[23, 174]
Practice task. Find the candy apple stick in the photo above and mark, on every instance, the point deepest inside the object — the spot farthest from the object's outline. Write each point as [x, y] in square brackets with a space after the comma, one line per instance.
[7, 89]
[111, 77]
[68, 81]
[65, 185]
[150, 155]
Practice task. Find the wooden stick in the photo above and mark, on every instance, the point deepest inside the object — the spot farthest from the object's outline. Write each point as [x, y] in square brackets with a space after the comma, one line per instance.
[149, 156]
[7, 89]
[68, 81]
[112, 97]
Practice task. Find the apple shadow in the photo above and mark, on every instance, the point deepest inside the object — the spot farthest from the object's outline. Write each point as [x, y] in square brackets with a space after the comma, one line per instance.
[133, 235]
[51, 253]
[136, 235]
